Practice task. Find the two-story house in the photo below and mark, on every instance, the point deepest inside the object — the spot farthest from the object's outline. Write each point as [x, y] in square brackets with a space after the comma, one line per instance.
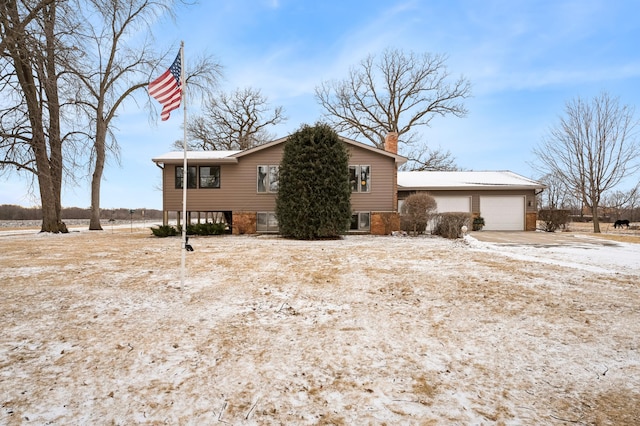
[242, 186]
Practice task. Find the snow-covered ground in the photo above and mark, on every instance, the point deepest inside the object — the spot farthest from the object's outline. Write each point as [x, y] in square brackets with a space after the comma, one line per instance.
[96, 329]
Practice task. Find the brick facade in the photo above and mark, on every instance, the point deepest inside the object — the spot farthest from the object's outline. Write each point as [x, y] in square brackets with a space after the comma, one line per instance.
[384, 223]
[531, 220]
[244, 223]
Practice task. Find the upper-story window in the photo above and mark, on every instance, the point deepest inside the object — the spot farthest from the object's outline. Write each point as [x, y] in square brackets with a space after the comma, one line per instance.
[192, 179]
[360, 178]
[267, 176]
[209, 176]
[199, 177]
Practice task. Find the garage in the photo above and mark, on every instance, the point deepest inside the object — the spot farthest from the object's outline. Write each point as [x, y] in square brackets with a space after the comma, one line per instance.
[506, 200]
[503, 213]
[453, 203]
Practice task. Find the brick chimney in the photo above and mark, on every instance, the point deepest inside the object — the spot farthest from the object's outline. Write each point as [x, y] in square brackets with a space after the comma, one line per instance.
[391, 145]
[391, 142]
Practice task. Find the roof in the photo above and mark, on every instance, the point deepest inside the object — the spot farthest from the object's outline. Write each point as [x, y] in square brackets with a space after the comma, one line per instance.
[504, 179]
[232, 156]
[177, 156]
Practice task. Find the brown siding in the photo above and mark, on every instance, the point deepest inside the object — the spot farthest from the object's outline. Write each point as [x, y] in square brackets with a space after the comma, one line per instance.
[383, 169]
[238, 190]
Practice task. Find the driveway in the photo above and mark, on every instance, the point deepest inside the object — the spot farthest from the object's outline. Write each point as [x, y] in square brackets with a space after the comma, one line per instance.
[539, 239]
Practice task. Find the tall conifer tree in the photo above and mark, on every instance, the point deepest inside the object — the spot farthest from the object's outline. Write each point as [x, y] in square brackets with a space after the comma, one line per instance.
[314, 194]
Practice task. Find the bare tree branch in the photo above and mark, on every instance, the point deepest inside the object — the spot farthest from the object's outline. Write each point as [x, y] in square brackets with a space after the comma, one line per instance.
[237, 120]
[592, 149]
[396, 93]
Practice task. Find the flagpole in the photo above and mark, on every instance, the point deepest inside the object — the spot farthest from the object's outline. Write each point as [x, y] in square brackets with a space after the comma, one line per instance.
[185, 170]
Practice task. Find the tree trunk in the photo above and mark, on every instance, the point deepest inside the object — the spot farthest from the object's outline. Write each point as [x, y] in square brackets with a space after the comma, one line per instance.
[50, 84]
[51, 211]
[45, 140]
[94, 222]
[96, 178]
[596, 220]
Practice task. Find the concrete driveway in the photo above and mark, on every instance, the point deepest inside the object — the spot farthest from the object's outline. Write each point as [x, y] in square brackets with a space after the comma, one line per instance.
[539, 239]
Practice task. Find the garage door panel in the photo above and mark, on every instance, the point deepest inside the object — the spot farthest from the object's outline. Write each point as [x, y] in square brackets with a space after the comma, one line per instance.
[453, 204]
[503, 213]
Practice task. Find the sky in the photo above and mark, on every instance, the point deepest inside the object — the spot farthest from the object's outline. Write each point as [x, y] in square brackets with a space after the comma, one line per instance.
[524, 59]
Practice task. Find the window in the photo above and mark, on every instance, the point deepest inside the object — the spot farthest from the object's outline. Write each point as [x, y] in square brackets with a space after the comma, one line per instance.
[191, 177]
[199, 177]
[360, 178]
[268, 178]
[361, 221]
[266, 222]
[209, 176]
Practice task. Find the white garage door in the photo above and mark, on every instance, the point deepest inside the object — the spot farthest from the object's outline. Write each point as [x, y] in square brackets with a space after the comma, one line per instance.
[453, 204]
[503, 213]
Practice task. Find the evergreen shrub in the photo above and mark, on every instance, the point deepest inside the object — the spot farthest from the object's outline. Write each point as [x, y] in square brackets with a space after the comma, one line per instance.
[192, 229]
[313, 192]
[164, 231]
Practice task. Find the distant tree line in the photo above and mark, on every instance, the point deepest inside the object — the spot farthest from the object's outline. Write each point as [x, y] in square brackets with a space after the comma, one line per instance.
[14, 212]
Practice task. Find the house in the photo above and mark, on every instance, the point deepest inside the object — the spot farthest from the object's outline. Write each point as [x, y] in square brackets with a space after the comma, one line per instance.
[506, 200]
[241, 186]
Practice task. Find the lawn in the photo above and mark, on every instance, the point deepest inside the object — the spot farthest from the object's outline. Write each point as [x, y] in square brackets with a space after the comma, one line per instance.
[97, 329]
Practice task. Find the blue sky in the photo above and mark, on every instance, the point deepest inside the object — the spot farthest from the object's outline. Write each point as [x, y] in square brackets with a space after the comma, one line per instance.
[524, 59]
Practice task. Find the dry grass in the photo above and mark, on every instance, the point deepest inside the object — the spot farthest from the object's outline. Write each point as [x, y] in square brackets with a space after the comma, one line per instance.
[366, 330]
[606, 231]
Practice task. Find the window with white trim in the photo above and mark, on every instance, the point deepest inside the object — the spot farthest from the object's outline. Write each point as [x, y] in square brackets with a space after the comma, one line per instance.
[266, 222]
[361, 221]
[360, 178]
[267, 178]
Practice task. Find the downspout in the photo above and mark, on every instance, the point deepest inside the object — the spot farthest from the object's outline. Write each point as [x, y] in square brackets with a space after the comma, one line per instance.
[165, 214]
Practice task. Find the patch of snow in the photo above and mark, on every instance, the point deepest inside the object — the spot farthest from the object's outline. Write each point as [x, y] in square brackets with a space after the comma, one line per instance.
[362, 330]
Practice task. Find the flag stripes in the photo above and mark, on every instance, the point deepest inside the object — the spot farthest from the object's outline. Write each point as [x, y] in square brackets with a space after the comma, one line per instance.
[166, 89]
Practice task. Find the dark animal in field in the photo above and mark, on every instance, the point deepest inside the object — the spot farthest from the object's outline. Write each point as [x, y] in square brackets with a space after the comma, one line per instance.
[621, 223]
[187, 246]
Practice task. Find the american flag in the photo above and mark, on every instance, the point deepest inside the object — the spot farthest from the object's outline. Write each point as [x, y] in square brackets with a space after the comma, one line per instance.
[166, 89]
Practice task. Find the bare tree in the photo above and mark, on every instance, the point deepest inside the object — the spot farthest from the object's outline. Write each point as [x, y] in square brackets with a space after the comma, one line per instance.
[112, 70]
[592, 149]
[398, 93]
[47, 78]
[417, 210]
[620, 203]
[31, 128]
[556, 195]
[234, 121]
[633, 202]
[425, 158]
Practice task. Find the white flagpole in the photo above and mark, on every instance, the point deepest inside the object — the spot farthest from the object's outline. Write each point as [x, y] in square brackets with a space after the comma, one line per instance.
[185, 171]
